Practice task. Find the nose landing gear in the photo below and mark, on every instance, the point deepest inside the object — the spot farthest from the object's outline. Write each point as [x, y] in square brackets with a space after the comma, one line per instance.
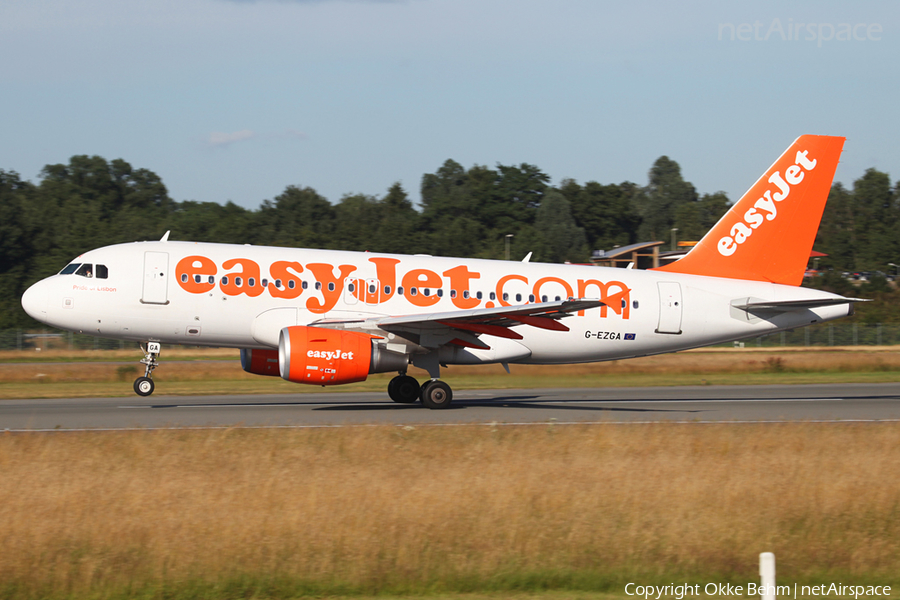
[144, 386]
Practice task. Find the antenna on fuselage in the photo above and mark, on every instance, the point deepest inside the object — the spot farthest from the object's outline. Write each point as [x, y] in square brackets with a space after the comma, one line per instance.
[165, 237]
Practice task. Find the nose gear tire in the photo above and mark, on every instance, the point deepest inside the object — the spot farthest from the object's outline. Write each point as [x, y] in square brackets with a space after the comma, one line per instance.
[143, 386]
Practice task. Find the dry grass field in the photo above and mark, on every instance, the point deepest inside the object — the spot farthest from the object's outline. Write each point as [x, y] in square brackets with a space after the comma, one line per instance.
[366, 510]
[183, 372]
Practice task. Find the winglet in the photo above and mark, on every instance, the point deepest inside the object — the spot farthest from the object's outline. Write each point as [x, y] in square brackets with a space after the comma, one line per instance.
[768, 234]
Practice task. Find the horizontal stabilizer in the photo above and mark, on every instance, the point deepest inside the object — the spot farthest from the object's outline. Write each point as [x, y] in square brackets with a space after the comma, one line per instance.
[789, 305]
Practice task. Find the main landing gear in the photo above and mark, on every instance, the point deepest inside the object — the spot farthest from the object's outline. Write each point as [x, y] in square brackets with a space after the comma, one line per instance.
[143, 386]
[406, 390]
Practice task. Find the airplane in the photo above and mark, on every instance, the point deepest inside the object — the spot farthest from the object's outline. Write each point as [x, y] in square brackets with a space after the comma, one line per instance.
[325, 317]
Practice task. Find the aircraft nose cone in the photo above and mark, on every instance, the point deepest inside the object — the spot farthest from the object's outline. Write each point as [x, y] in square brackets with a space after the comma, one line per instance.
[35, 301]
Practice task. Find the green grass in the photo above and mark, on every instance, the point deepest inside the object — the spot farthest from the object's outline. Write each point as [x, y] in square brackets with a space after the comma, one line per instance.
[378, 383]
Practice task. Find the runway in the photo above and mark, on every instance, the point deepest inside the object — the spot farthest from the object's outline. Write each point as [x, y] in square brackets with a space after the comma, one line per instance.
[701, 404]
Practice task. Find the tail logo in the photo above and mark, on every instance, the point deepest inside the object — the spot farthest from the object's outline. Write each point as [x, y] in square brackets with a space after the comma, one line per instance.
[765, 209]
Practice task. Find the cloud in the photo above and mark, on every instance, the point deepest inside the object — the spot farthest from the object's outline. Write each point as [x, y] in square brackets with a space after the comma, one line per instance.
[293, 134]
[219, 139]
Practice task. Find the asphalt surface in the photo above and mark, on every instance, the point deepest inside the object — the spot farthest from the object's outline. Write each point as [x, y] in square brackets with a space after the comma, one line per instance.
[846, 402]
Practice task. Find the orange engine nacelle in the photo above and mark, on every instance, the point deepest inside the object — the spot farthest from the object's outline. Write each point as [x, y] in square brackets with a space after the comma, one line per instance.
[322, 356]
[260, 362]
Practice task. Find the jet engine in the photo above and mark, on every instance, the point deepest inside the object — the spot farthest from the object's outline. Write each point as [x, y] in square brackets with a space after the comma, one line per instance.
[260, 362]
[320, 356]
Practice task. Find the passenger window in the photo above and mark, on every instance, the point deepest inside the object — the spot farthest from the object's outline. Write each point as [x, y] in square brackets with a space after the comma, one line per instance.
[318, 285]
[372, 289]
[196, 279]
[292, 284]
[251, 282]
[466, 294]
[544, 298]
[331, 286]
[478, 295]
[265, 283]
[238, 281]
[278, 283]
[518, 297]
[634, 304]
[303, 285]
[440, 293]
[427, 291]
[413, 291]
[505, 297]
[184, 278]
[387, 290]
[102, 272]
[531, 298]
[557, 299]
[493, 296]
[453, 293]
[225, 280]
[351, 287]
[85, 270]
[69, 269]
[212, 280]
[400, 290]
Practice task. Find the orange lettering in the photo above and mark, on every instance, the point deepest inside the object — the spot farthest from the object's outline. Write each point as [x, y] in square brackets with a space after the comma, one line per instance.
[459, 281]
[279, 270]
[250, 270]
[386, 274]
[331, 286]
[187, 270]
[543, 280]
[502, 282]
[618, 308]
[422, 278]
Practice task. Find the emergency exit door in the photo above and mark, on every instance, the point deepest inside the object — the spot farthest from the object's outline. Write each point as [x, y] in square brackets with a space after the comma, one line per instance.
[155, 278]
[670, 307]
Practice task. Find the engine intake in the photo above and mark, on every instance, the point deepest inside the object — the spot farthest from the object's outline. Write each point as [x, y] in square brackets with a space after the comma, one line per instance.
[320, 356]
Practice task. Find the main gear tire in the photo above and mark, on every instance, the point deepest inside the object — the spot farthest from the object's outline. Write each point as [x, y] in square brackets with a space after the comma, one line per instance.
[404, 389]
[436, 395]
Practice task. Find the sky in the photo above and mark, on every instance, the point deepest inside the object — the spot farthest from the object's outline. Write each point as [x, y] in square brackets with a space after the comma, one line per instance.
[234, 100]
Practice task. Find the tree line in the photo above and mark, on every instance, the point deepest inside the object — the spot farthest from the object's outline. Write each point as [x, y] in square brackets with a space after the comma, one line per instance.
[91, 202]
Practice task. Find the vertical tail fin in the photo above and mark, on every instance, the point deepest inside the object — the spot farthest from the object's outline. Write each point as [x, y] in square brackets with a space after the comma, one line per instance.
[768, 234]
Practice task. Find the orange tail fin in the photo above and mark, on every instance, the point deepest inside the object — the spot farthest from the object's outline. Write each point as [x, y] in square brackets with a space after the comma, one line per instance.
[768, 234]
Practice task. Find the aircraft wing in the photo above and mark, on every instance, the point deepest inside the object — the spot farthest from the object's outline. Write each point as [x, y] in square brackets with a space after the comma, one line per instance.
[461, 327]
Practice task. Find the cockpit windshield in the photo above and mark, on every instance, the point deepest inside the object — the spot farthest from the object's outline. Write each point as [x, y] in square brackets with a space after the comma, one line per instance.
[86, 270]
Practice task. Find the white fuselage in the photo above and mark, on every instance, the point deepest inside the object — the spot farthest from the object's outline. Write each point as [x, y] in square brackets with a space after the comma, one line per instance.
[157, 291]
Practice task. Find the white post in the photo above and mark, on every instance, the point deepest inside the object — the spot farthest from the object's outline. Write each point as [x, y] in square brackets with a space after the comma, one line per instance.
[767, 575]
